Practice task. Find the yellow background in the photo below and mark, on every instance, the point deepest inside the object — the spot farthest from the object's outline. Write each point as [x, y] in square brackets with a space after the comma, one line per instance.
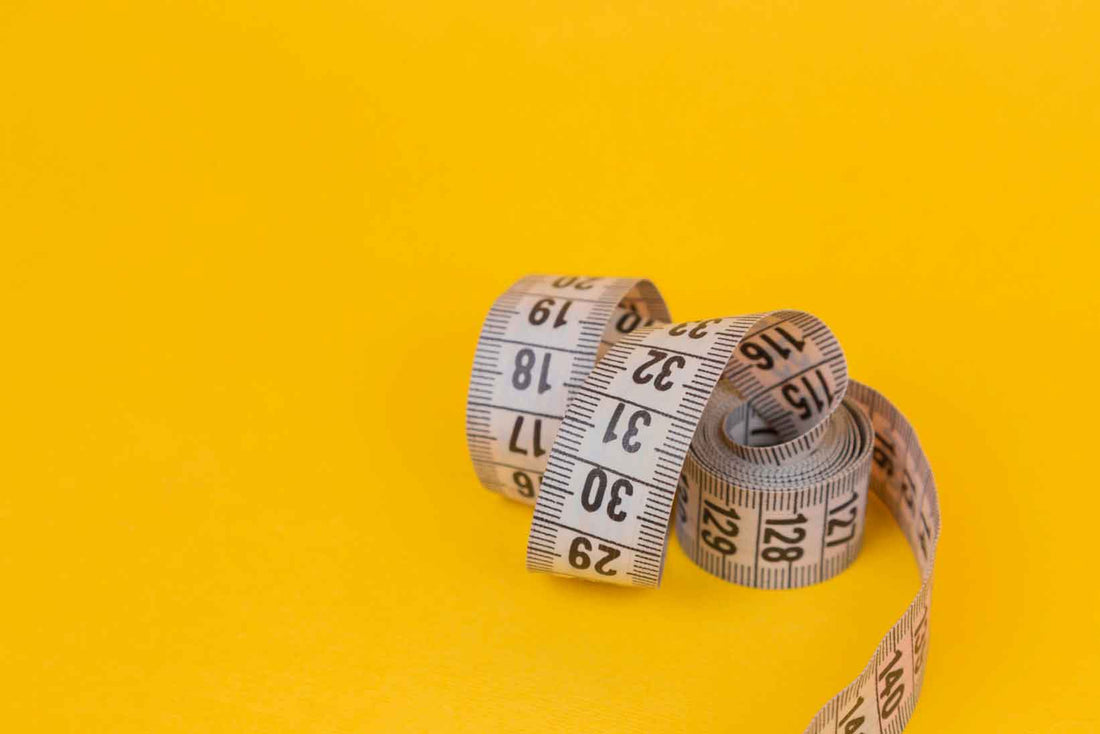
[246, 250]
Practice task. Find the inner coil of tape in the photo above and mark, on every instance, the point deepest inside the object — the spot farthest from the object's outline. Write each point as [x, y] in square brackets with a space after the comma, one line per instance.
[821, 488]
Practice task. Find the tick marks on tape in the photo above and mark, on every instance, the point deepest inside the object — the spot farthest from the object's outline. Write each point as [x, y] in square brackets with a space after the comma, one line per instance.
[745, 432]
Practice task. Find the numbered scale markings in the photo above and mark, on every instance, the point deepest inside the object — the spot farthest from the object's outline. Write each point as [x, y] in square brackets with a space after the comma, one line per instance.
[745, 432]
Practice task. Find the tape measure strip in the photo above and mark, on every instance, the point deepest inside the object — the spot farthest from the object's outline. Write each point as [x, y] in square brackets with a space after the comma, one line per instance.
[771, 488]
[883, 696]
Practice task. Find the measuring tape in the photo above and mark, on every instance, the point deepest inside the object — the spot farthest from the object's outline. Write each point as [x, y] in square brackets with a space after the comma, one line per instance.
[744, 432]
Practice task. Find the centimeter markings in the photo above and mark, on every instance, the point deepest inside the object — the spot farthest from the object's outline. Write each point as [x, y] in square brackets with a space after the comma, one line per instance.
[572, 519]
[827, 513]
[538, 342]
[883, 696]
[648, 547]
[824, 503]
[773, 497]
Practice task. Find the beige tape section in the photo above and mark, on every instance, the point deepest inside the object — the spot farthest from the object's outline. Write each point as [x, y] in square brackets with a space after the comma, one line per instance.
[583, 397]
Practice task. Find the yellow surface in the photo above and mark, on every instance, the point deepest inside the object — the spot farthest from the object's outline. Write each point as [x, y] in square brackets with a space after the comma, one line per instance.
[246, 250]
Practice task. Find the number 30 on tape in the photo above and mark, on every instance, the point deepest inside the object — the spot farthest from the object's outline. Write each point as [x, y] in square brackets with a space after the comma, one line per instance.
[744, 432]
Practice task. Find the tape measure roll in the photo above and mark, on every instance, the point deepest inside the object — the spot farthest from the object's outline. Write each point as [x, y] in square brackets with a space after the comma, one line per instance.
[774, 526]
[584, 400]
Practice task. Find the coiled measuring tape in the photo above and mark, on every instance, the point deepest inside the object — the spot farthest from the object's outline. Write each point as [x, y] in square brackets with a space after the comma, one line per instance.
[744, 432]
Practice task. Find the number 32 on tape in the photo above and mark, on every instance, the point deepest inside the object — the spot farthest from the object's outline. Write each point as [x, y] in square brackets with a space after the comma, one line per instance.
[743, 432]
